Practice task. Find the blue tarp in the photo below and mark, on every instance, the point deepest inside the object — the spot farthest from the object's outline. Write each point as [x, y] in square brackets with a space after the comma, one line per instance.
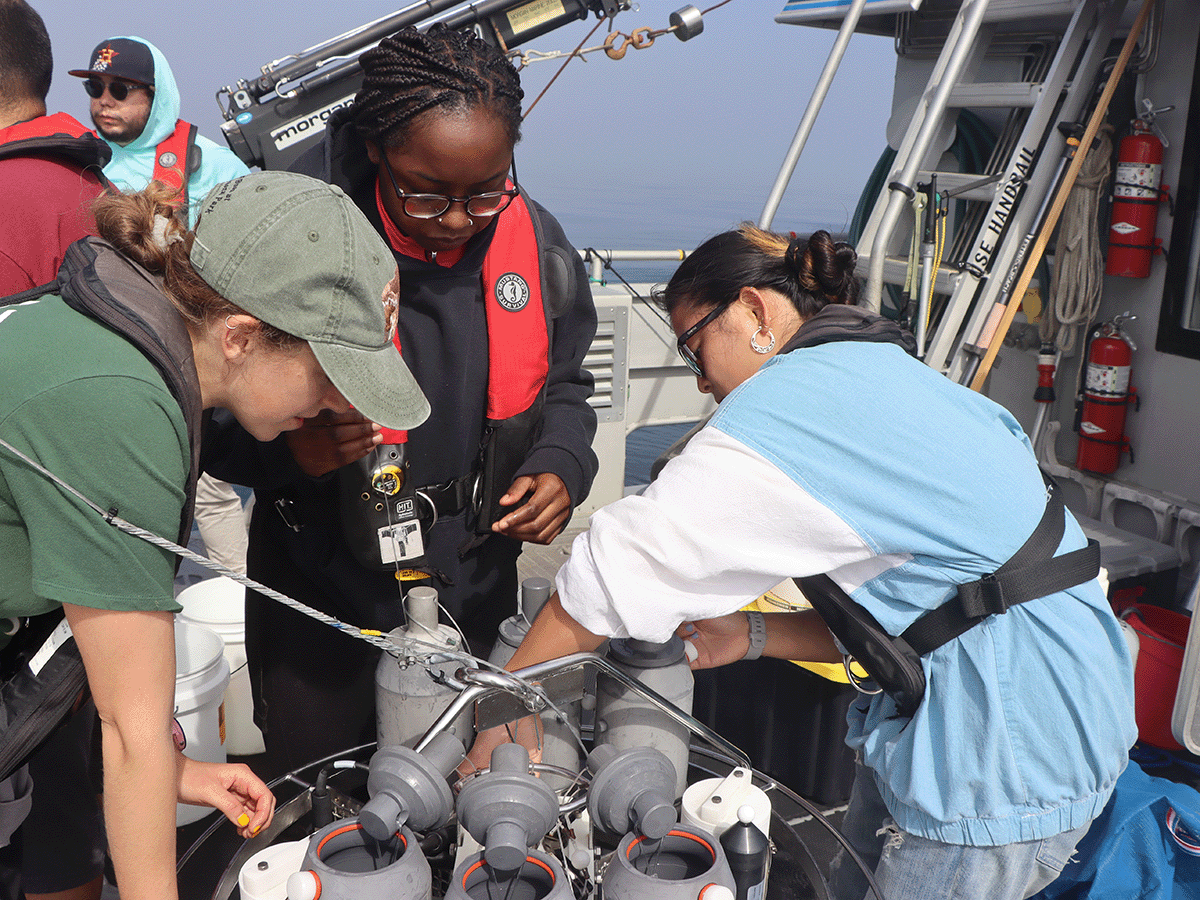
[1144, 846]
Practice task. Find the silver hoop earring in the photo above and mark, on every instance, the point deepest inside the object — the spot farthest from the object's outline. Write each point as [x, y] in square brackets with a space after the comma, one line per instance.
[227, 325]
[759, 348]
[470, 223]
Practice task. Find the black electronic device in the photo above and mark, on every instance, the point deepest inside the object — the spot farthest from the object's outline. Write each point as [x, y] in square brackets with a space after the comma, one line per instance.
[272, 119]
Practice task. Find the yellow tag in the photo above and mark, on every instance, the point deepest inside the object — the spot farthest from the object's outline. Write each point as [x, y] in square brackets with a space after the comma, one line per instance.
[410, 575]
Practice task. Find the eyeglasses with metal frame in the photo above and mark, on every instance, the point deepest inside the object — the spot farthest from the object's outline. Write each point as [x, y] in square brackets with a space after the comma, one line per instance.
[430, 206]
[119, 89]
[685, 352]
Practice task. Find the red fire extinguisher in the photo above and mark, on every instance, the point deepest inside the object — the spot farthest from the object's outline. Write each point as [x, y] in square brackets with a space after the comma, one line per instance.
[1106, 397]
[1136, 196]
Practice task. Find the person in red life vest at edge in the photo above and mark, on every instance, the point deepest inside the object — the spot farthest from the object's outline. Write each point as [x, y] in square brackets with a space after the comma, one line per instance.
[495, 319]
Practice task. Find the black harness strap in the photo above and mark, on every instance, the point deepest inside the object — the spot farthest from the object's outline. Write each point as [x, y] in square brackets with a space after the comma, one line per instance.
[30, 294]
[894, 663]
[1032, 572]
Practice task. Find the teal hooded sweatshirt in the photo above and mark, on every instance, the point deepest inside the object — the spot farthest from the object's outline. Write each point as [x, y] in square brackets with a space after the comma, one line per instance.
[132, 166]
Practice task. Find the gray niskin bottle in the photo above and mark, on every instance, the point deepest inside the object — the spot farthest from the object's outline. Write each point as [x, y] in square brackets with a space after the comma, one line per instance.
[407, 699]
[559, 747]
[626, 720]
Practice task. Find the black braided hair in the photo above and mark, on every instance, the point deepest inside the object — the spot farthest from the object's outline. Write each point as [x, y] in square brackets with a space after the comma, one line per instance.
[414, 72]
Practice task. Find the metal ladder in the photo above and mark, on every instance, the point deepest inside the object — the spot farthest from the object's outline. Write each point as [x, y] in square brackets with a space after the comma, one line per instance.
[1022, 172]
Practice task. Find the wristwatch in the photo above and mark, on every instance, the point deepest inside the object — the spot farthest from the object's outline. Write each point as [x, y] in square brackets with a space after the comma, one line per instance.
[758, 634]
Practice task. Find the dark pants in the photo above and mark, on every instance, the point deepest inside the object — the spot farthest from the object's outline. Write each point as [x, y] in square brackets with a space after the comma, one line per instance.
[64, 841]
[15, 799]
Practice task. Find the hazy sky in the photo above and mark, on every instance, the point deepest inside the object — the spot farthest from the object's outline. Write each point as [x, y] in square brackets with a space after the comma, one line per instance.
[662, 148]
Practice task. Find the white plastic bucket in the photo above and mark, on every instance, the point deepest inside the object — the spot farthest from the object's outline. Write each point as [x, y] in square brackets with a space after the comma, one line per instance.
[219, 603]
[201, 676]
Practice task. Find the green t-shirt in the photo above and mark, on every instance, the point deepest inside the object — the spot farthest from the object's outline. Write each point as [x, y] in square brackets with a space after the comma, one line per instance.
[87, 405]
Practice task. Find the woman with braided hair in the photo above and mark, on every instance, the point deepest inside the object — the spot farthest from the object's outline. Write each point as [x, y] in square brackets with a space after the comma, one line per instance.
[835, 451]
[495, 319]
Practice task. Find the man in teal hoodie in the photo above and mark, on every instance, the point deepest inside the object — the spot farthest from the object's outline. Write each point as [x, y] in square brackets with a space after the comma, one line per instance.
[135, 108]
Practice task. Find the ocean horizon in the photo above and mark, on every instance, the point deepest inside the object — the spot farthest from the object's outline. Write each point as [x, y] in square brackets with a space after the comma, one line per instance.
[661, 221]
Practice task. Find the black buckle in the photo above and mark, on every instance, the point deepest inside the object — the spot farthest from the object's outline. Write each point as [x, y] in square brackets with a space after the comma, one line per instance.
[981, 598]
[449, 498]
[287, 512]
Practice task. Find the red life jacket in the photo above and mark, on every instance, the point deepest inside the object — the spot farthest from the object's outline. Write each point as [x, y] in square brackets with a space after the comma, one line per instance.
[517, 317]
[176, 158]
[56, 135]
[43, 126]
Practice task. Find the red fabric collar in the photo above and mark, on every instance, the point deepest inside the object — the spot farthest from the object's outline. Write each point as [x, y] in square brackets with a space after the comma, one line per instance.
[402, 243]
[43, 126]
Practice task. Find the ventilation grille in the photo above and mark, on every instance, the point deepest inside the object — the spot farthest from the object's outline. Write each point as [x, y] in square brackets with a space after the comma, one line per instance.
[607, 361]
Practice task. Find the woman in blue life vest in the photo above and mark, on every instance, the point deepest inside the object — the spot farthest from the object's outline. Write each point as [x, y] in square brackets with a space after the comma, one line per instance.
[836, 451]
[495, 320]
[107, 375]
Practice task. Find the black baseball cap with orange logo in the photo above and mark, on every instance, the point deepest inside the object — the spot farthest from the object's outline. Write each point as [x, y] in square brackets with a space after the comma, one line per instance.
[121, 58]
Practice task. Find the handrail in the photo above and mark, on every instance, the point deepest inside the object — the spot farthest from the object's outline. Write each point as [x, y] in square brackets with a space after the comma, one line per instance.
[598, 259]
[810, 114]
[958, 48]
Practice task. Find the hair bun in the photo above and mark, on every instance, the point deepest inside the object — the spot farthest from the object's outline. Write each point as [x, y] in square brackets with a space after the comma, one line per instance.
[832, 265]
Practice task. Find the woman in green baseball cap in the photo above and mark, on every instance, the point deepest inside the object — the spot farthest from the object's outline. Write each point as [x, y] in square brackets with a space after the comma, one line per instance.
[280, 304]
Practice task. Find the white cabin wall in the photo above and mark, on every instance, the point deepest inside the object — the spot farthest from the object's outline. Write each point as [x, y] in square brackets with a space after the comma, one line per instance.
[1167, 427]
[1165, 432]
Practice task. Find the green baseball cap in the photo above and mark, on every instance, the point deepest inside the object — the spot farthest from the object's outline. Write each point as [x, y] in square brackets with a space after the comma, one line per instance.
[296, 253]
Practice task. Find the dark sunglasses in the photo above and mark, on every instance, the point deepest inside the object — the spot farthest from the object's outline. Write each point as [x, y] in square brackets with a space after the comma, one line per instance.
[119, 89]
[685, 352]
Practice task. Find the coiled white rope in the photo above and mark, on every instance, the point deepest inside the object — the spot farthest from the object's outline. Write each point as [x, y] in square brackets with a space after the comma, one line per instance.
[1079, 257]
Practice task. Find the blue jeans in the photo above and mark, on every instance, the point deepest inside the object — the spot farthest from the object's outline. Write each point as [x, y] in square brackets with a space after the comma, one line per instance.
[908, 867]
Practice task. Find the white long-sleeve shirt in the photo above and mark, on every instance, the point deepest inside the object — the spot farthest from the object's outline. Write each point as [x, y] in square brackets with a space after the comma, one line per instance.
[856, 460]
